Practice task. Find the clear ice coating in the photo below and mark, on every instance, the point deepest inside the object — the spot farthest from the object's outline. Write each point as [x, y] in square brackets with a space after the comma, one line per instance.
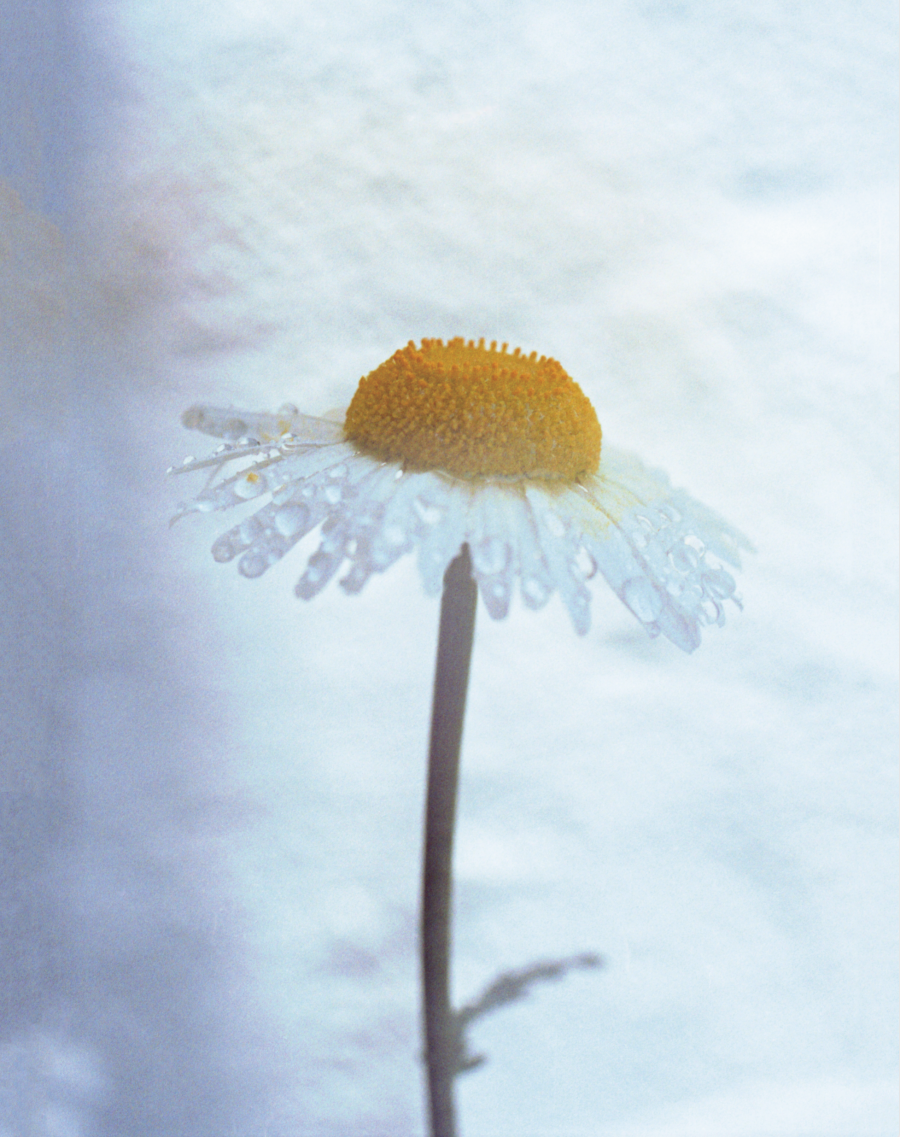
[651, 543]
[643, 599]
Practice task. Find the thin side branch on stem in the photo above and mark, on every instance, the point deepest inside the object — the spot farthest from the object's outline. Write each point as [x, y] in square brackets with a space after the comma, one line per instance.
[451, 680]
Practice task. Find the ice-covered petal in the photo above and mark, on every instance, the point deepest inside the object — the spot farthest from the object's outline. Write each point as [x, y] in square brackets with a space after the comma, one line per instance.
[659, 550]
[235, 425]
[560, 543]
[496, 514]
[439, 542]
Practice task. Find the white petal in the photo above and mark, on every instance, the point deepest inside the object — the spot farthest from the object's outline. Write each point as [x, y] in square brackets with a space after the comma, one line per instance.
[561, 544]
[269, 476]
[440, 538]
[235, 425]
[649, 541]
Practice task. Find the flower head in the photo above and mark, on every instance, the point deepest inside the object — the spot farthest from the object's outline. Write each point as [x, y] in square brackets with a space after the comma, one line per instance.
[475, 412]
[456, 443]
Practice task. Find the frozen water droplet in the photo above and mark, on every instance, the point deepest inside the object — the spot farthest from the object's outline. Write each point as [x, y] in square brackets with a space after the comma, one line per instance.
[534, 591]
[719, 583]
[394, 535]
[187, 461]
[291, 519]
[710, 612]
[224, 549]
[253, 564]
[355, 578]
[250, 486]
[322, 566]
[642, 598]
[584, 564]
[684, 557]
[368, 514]
[332, 494]
[334, 540]
[579, 606]
[249, 529]
[338, 472]
[288, 409]
[496, 596]
[490, 556]
[428, 513]
[380, 558]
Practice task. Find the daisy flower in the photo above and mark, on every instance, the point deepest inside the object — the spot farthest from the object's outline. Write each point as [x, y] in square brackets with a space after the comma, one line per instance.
[489, 464]
[458, 443]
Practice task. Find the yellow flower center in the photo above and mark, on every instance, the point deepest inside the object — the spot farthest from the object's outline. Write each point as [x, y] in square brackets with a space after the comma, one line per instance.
[475, 411]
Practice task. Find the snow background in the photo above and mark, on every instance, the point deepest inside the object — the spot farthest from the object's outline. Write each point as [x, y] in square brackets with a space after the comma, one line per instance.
[212, 793]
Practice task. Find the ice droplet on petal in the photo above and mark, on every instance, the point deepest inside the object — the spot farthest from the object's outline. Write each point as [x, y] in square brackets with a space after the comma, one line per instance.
[251, 486]
[291, 519]
[719, 583]
[250, 529]
[684, 557]
[321, 568]
[334, 537]
[355, 579]
[490, 556]
[584, 564]
[579, 606]
[535, 592]
[253, 564]
[642, 598]
[225, 549]
[429, 514]
[495, 592]
[710, 612]
[394, 535]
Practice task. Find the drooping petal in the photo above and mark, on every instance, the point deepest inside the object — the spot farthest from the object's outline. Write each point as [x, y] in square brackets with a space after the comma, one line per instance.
[651, 543]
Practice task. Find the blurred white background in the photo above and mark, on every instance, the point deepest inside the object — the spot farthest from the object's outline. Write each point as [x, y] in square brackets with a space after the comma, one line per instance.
[211, 792]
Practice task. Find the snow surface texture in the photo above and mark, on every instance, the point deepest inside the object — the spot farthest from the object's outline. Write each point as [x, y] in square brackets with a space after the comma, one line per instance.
[212, 792]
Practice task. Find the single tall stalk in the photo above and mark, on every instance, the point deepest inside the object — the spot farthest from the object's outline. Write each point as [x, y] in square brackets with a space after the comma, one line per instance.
[451, 680]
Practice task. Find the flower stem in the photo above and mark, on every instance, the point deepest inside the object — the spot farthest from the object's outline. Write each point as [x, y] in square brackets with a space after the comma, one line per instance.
[451, 680]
